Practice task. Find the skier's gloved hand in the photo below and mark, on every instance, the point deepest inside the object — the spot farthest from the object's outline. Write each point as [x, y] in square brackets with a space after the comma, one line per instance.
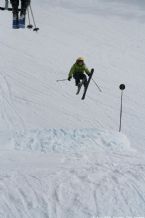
[90, 73]
[69, 78]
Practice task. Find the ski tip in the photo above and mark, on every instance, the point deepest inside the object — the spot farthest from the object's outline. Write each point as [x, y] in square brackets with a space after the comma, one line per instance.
[92, 70]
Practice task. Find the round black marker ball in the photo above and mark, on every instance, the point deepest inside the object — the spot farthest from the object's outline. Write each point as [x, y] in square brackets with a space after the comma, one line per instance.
[122, 86]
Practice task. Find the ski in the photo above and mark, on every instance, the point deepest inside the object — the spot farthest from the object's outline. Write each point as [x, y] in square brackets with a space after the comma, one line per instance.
[86, 88]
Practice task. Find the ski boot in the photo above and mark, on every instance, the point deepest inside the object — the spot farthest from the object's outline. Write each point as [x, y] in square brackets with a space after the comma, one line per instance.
[15, 23]
[22, 21]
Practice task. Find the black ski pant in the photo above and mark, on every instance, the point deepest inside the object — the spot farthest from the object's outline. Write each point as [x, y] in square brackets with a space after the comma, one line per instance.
[80, 76]
[24, 5]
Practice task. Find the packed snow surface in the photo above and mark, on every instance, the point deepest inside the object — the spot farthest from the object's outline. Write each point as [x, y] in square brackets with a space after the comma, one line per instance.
[56, 159]
[109, 34]
[61, 173]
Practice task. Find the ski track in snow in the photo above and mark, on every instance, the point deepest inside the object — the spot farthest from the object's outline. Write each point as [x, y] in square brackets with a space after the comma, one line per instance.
[71, 173]
[8, 111]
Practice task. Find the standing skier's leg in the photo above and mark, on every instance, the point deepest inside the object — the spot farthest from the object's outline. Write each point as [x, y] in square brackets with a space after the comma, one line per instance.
[24, 5]
[15, 5]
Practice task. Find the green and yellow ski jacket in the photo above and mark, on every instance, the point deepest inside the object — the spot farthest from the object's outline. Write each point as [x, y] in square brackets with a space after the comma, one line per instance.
[76, 68]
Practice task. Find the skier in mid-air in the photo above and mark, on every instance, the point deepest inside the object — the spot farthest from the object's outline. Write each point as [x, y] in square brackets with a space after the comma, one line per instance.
[78, 71]
[19, 20]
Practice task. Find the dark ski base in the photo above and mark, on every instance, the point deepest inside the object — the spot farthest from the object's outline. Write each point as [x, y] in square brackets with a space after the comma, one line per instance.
[86, 88]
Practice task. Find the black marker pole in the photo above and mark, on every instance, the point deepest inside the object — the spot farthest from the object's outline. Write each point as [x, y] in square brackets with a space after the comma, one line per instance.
[122, 87]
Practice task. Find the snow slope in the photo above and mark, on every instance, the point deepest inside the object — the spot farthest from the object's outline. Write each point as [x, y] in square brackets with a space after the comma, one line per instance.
[60, 173]
[109, 34]
[54, 160]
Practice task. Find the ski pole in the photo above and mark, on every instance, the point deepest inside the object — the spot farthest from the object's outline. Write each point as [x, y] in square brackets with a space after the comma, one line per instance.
[6, 4]
[29, 26]
[35, 27]
[97, 85]
[122, 87]
[61, 80]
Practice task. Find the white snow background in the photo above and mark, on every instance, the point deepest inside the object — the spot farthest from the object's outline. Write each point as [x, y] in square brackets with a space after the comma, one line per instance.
[61, 157]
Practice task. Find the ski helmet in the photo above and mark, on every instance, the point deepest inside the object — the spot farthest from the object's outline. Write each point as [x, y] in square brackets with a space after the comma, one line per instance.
[80, 59]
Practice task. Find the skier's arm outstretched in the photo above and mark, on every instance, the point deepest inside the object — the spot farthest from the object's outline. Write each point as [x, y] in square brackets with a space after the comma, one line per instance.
[71, 73]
